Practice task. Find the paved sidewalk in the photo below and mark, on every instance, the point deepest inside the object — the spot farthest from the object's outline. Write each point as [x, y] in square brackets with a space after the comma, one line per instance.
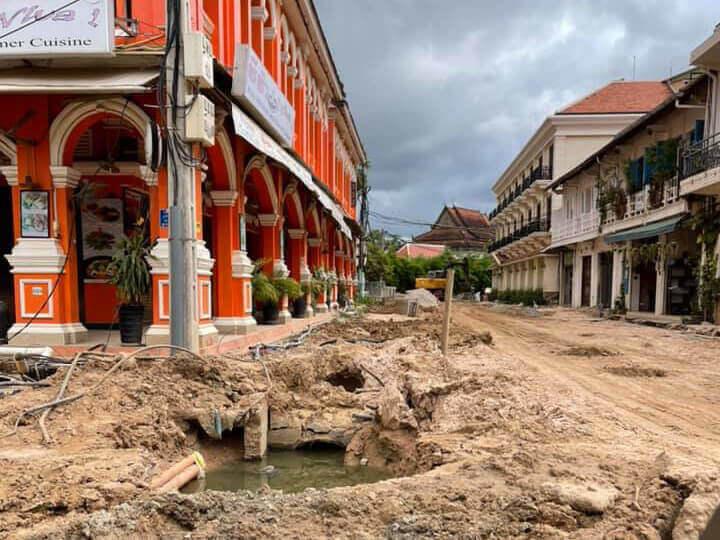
[263, 334]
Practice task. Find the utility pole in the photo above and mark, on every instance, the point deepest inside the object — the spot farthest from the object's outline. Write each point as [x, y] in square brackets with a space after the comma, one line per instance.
[449, 287]
[181, 188]
[363, 191]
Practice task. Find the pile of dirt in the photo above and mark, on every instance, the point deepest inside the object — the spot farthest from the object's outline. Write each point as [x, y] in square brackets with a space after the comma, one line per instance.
[589, 351]
[632, 370]
[426, 300]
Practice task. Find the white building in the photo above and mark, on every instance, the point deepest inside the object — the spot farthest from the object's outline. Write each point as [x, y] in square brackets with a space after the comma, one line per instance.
[621, 227]
[524, 215]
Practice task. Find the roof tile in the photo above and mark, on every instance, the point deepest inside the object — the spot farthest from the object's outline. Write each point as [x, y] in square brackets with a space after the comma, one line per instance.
[621, 97]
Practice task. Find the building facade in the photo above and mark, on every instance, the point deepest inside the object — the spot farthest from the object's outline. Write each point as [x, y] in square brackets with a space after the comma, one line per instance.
[274, 155]
[636, 228]
[523, 217]
[624, 203]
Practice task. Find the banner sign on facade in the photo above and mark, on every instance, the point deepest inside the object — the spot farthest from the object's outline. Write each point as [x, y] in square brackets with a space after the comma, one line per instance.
[56, 28]
[256, 89]
[246, 128]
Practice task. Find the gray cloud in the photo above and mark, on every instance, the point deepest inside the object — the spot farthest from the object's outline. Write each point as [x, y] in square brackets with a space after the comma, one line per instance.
[446, 93]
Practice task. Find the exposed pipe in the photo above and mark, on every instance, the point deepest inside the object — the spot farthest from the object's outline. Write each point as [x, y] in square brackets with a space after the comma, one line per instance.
[179, 474]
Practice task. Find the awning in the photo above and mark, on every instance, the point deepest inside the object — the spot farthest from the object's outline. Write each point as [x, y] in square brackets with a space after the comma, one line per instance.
[646, 231]
[249, 130]
[75, 81]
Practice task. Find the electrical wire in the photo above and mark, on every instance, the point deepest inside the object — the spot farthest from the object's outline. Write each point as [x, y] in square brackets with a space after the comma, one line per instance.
[403, 221]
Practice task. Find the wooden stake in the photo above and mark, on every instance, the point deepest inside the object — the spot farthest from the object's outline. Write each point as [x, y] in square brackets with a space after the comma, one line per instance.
[448, 305]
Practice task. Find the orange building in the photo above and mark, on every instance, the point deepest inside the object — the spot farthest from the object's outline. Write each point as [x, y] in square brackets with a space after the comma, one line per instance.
[278, 153]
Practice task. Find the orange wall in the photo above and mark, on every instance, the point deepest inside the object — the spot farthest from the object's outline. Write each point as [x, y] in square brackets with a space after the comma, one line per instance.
[233, 24]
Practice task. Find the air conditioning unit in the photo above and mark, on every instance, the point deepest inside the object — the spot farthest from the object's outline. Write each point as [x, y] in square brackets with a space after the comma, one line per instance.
[200, 120]
[199, 59]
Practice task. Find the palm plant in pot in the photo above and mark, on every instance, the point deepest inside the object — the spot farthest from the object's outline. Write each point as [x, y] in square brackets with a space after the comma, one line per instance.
[287, 286]
[129, 272]
[342, 294]
[264, 293]
[311, 289]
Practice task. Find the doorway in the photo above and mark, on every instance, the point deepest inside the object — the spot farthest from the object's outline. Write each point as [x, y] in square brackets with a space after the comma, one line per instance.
[586, 276]
[6, 244]
[647, 276]
[567, 283]
[117, 207]
[606, 273]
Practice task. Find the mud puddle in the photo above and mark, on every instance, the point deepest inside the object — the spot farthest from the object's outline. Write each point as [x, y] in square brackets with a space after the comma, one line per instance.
[291, 471]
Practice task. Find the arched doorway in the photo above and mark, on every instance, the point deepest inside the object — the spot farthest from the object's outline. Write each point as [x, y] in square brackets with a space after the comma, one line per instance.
[112, 201]
[261, 214]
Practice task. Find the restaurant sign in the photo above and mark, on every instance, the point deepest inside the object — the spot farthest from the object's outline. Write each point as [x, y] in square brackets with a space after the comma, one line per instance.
[256, 89]
[32, 29]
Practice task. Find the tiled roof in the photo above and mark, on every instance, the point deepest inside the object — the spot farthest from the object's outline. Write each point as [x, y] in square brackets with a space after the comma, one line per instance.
[470, 229]
[413, 251]
[621, 97]
[470, 218]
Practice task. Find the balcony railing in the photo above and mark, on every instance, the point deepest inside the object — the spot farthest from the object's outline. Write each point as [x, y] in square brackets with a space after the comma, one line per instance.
[644, 201]
[700, 157]
[564, 228]
[539, 173]
[535, 226]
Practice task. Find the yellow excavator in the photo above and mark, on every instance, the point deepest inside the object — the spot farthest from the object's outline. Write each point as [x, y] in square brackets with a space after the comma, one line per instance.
[434, 282]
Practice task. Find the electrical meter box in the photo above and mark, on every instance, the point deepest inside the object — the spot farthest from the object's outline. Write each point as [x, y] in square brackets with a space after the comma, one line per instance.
[199, 59]
[200, 120]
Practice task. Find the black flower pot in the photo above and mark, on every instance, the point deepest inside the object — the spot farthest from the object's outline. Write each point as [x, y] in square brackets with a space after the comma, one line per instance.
[299, 307]
[271, 312]
[131, 323]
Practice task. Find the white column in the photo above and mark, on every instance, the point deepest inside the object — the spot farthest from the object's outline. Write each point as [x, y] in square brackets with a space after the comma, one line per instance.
[617, 276]
[577, 279]
[661, 279]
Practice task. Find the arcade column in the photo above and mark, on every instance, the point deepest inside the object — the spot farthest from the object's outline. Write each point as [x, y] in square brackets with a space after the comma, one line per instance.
[315, 256]
[299, 269]
[233, 268]
[45, 269]
[272, 250]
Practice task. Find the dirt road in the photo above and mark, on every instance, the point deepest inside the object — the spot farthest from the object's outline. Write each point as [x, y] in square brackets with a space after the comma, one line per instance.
[564, 426]
[662, 384]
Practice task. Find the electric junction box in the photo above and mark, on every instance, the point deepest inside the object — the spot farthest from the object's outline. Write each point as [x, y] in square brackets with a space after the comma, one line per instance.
[199, 59]
[200, 120]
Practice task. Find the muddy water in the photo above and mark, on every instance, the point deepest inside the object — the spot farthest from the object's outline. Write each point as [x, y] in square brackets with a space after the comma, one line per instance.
[293, 471]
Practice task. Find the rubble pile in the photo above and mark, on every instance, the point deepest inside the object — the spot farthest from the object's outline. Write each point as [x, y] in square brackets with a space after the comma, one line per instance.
[479, 446]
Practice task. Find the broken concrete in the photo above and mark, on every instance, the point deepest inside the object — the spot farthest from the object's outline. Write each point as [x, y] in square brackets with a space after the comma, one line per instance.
[504, 438]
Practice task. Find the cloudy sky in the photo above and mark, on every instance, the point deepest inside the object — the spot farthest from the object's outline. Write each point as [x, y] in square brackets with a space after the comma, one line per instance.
[445, 93]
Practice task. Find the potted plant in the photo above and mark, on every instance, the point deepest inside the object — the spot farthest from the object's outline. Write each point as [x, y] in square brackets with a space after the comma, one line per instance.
[342, 294]
[310, 289]
[656, 192]
[287, 286]
[129, 272]
[619, 202]
[265, 293]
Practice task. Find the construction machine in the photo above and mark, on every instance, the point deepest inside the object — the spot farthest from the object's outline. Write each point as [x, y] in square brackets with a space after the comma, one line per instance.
[436, 280]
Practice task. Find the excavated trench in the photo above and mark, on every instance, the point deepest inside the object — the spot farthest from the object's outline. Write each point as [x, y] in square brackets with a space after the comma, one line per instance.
[319, 466]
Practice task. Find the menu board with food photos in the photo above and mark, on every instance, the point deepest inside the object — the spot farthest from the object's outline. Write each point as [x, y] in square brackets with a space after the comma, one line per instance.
[102, 228]
[34, 214]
